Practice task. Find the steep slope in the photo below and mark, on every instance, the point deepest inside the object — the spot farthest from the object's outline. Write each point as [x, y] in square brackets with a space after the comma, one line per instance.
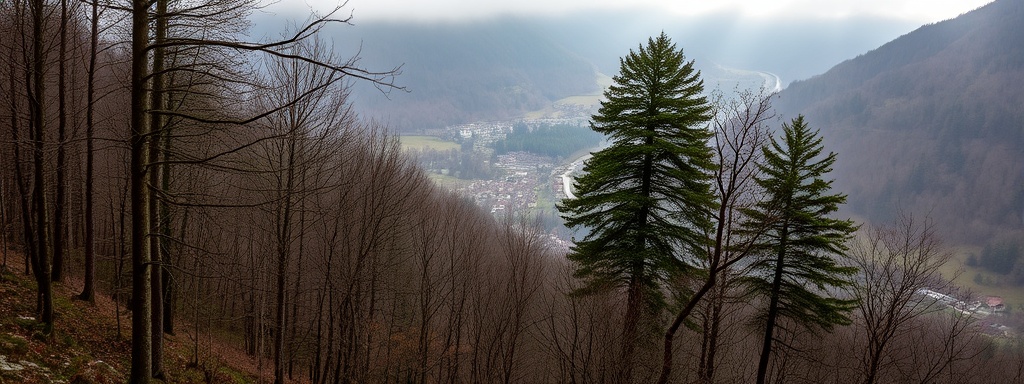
[92, 345]
[932, 122]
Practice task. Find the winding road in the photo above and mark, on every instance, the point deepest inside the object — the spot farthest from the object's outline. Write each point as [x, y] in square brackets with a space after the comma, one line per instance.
[567, 175]
[771, 81]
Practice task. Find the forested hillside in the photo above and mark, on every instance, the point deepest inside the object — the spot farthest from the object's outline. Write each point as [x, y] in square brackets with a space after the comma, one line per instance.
[498, 68]
[222, 192]
[193, 184]
[464, 72]
[931, 122]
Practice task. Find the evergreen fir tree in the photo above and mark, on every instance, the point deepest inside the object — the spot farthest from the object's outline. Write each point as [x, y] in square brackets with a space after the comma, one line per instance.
[797, 269]
[645, 199]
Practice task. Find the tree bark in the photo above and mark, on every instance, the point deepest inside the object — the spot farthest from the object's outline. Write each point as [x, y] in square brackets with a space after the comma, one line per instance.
[167, 284]
[156, 221]
[142, 345]
[19, 176]
[89, 290]
[62, 121]
[42, 262]
[283, 256]
[773, 309]
[634, 301]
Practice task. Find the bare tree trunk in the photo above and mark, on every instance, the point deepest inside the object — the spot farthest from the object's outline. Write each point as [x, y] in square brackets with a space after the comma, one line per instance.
[167, 296]
[629, 332]
[712, 328]
[3, 223]
[283, 256]
[293, 337]
[89, 290]
[42, 262]
[773, 308]
[19, 177]
[62, 121]
[123, 249]
[156, 221]
[740, 131]
[142, 310]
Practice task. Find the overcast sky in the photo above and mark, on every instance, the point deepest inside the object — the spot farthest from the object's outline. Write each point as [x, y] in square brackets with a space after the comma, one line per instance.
[918, 11]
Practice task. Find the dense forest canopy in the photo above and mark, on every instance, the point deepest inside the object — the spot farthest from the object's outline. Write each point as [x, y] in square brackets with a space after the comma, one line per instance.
[554, 140]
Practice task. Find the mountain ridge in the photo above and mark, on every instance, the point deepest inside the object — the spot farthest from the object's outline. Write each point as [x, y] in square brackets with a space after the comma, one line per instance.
[521, 65]
[931, 123]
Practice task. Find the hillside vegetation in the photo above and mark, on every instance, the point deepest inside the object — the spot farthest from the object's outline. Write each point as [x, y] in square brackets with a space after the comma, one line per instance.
[92, 345]
[504, 67]
[223, 200]
[931, 122]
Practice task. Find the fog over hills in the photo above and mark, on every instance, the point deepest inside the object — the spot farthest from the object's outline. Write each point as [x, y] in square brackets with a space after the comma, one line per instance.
[929, 121]
[468, 72]
[501, 68]
[932, 122]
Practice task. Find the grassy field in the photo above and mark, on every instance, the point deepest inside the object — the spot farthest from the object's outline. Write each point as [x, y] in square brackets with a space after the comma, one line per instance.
[1013, 296]
[448, 182]
[593, 99]
[431, 142]
[545, 198]
[963, 276]
[581, 100]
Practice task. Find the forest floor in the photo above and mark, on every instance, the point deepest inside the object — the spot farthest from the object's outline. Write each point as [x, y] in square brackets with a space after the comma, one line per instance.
[92, 344]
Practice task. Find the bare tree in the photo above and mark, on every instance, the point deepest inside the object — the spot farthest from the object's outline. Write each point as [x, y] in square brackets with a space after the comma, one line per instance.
[945, 347]
[581, 336]
[304, 129]
[740, 129]
[523, 250]
[143, 132]
[37, 95]
[462, 248]
[59, 223]
[89, 289]
[20, 69]
[900, 264]
[4, 225]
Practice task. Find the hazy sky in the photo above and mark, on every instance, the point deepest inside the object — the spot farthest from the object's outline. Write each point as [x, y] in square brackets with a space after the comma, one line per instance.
[919, 11]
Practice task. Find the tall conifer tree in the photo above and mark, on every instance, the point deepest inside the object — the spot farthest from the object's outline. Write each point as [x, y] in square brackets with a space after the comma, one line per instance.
[797, 269]
[645, 199]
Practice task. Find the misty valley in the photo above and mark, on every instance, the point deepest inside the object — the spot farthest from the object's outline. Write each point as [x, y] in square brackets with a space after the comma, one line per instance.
[235, 192]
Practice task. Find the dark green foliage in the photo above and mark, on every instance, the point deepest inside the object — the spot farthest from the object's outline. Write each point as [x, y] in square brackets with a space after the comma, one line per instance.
[972, 260]
[559, 140]
[645, 198]
[1000, 257]
[981, 280]
[796, 270]
[803, 240]
[473, 166]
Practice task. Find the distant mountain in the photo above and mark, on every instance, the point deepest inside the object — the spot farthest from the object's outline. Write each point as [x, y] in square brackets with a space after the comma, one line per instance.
[500, 68]
[932, 122]
[463, 72]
